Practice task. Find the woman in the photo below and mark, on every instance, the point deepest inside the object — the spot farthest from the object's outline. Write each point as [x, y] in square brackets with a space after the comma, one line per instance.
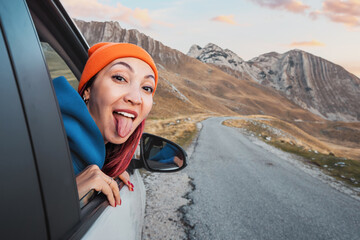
[105, 121]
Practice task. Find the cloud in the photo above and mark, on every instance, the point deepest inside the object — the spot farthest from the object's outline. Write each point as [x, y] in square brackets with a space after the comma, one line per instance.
[312, 43]
[315, 14]
[340, 11]
[294, 6]
[350, 7]
[225, 19]
[95, 10]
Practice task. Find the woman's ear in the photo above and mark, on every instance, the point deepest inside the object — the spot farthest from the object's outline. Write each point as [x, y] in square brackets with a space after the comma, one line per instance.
[86, 94]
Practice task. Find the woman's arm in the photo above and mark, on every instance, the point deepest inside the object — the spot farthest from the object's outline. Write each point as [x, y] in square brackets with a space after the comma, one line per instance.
[93, 178]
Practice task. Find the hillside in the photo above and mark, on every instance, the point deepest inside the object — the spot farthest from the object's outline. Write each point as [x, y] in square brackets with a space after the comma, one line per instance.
[189, 86]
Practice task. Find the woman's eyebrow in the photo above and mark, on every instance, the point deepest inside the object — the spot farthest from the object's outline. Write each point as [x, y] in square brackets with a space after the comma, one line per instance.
[150, 76]
[124, 64]
[132, 70]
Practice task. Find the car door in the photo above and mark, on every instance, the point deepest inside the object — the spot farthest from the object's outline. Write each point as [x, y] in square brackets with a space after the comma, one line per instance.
[18, 171]
[39, 196]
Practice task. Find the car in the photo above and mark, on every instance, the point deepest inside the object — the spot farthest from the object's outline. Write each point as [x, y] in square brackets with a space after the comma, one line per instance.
[39, 195]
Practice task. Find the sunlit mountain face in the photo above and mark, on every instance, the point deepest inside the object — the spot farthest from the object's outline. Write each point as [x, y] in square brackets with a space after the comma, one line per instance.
[311, 82]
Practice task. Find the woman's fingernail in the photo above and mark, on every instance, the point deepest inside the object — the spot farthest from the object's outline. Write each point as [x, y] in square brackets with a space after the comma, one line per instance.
[120, 202]
[129, 182]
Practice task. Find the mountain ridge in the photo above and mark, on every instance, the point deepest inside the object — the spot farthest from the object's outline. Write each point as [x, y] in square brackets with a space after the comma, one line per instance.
[111, 31]
[312, 82]
[198, 81]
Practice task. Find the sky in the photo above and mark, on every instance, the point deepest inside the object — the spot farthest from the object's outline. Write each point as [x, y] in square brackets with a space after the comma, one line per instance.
[326, 28]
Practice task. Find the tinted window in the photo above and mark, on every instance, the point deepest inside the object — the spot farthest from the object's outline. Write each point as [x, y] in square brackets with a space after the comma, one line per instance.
[56, 65]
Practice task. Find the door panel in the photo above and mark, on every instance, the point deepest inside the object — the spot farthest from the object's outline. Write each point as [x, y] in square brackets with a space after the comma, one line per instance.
[21, 200]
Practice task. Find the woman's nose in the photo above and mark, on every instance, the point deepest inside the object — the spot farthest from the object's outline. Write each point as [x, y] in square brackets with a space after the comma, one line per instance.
[133, 96]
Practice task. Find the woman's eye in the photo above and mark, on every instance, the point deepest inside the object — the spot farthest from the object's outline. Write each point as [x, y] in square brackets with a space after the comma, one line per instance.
[148, 89]
[119, 78]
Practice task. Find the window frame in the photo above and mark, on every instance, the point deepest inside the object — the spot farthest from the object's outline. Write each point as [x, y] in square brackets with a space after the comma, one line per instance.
[58, 29]
[54, 26]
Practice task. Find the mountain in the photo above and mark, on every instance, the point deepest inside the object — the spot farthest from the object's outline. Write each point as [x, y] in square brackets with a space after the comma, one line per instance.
[311, 82]
[189, 86]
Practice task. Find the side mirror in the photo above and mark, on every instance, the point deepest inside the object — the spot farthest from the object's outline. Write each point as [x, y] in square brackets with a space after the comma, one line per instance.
[158, 154]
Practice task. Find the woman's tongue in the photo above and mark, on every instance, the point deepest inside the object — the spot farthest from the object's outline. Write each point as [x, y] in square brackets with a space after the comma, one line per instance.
[123, 125]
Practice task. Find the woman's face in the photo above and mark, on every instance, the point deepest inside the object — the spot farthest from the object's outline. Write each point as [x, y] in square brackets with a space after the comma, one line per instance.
[121, 98]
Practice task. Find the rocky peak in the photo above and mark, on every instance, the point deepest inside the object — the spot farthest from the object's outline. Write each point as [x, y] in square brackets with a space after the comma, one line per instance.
[194, 51]
[267, 57]
[295, 51]
[214, 54]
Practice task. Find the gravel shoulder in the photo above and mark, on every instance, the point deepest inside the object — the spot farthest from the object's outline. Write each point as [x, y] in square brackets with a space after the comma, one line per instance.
[166, 194]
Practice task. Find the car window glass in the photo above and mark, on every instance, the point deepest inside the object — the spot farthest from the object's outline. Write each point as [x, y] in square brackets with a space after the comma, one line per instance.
[56, 65]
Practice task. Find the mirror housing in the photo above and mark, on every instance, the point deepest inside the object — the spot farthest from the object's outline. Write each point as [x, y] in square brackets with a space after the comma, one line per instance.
[158, 154]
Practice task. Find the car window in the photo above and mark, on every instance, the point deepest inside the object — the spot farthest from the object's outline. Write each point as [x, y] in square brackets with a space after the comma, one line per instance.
[57, 66]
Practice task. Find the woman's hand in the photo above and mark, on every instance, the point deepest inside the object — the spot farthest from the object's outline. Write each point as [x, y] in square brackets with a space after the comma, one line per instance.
[93, 178]
[126, 179]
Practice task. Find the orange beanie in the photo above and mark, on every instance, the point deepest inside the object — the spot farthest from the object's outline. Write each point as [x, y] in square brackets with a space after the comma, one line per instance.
[101, 54]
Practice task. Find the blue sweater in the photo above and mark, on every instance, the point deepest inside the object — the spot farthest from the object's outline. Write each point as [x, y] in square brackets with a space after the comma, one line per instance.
[85, 140]
[166, 154]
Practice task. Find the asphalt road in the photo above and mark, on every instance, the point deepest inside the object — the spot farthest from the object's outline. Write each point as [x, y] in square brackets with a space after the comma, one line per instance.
[242, 191]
